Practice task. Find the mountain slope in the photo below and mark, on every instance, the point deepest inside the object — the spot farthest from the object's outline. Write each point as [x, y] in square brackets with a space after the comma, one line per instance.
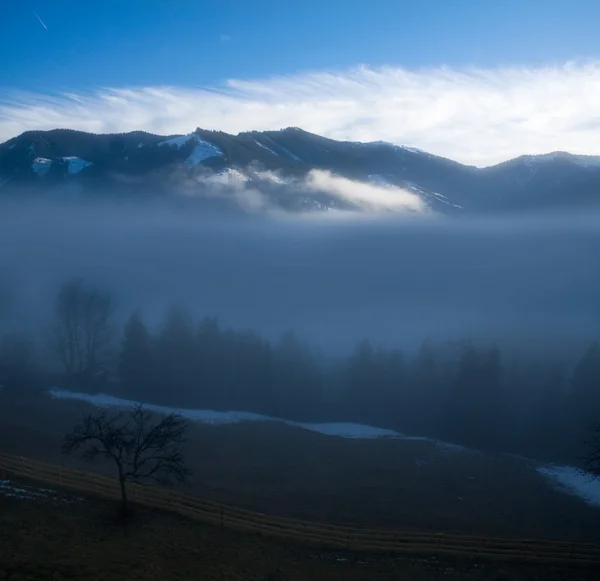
[277, 164]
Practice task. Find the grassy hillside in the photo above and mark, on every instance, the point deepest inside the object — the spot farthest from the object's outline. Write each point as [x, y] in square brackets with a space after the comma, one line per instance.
[284, 471]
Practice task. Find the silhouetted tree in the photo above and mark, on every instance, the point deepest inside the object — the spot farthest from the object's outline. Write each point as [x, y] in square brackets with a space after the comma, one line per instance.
[297, 379]
[140, 447]
[82, 332]
[362, 367]
[136, 360]
[176, 355]
[426, 388]
[476, 410]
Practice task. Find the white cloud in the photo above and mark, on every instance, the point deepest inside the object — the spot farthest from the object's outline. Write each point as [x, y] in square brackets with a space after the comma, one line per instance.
[371, 199]
[475, 116]
[368, 196]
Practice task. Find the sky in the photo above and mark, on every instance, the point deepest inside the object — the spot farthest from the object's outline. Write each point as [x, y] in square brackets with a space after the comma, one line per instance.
[479, 82]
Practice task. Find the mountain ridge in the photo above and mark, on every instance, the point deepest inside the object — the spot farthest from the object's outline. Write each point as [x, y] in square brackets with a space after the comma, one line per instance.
[49, 159]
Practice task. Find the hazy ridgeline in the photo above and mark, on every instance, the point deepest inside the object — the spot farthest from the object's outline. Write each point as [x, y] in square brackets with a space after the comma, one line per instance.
[478, 331]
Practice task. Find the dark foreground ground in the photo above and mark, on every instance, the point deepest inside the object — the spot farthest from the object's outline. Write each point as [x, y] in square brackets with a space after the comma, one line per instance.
[59, 537]
[279, 470]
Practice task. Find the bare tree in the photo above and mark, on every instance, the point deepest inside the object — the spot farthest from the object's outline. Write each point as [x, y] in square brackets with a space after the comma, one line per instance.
[141, 447]
[82, 332]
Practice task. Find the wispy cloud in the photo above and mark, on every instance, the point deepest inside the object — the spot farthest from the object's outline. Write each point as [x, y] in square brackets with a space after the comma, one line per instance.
[367, 196]
[475, 116]
[259, 197]
[225, 38]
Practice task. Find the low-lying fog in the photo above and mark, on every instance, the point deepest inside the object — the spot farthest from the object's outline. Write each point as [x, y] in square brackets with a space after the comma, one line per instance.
[334, 280]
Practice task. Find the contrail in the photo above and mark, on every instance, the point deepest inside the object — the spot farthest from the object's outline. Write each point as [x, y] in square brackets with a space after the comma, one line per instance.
[41, 21]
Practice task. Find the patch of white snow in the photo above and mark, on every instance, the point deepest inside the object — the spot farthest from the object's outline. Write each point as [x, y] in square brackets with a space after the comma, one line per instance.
[346, 430]
[412, 149]
[31, 493]
[41, 166]
[76, 164]
[202, 150]
[340, 429]
[570, 480]
[178, 141]
[294, 157]
[228, 176]
[265, 147]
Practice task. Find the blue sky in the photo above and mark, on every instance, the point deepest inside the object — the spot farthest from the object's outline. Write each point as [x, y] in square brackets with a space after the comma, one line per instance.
[195, 42]
[259, 52]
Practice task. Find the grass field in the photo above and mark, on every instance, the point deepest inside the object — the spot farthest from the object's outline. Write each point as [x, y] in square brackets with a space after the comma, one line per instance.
[279, 470]
[284, 471]
[60, 536]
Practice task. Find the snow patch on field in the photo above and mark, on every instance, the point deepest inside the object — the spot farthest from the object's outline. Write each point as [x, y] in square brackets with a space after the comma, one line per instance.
[342, 430]
[10, 490]
[572, 481]
[346, 430]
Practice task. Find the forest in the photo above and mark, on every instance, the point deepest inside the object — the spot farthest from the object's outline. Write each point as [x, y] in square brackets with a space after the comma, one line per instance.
[464, 391]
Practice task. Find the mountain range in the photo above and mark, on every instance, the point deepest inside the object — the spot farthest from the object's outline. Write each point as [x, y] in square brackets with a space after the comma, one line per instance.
[292, 170]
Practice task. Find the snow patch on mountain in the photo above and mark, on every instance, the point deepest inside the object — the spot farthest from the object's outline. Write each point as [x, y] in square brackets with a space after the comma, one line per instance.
[229, 176]
[292, 155]
[41, 166]
[267, 148]
[202, 150]
[431, 196]
[413, 149]
[269, 176]
[178, 141]
[284, 150]
[76, 164]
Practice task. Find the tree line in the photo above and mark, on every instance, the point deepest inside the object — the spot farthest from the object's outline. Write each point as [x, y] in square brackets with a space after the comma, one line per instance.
[462, 391]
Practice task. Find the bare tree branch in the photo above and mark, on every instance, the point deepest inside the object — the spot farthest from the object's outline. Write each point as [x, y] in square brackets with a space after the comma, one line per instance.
[141, 447]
